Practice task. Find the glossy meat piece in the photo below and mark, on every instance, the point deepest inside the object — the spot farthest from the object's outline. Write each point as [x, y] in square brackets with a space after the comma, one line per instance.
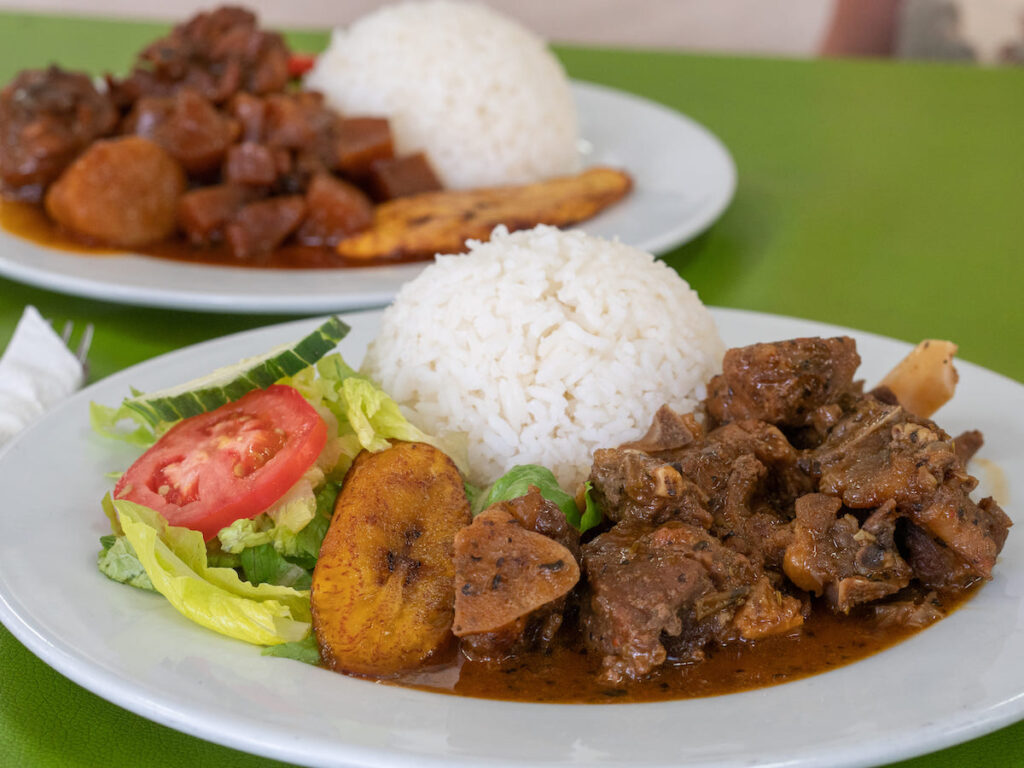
[250, 112]
[834, 555]
[360, 141]
[203, 212]
[299, 121]
[121, 192]
[250, 164]
[784, 382]
[768, 612]
[650, 584]
[188, 126]
[402, 177]
[934, 564]
[536, 627]
[504, 572]
[47, 117]
[880, 453]
[217, 53]
[630, 484]
[259, 228]
[668, 431]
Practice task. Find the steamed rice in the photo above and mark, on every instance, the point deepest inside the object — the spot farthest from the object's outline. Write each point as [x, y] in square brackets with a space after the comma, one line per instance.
[479, 93]
[541, 346]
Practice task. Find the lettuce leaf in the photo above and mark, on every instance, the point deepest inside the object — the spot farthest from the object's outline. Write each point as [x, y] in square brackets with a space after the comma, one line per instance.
[175, 560]
[517, 481]
[118, 561]
[305, 651]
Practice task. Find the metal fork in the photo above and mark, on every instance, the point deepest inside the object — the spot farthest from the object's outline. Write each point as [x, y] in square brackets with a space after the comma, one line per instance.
[81, 352]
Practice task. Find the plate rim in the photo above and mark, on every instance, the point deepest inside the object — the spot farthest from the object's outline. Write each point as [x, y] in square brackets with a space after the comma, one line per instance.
[111, 687]
[383, 281]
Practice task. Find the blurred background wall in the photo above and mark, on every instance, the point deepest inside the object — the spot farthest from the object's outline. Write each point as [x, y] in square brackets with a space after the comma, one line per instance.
[988, 31]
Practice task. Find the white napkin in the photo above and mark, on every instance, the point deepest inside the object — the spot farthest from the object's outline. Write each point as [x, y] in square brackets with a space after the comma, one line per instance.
[37, 371]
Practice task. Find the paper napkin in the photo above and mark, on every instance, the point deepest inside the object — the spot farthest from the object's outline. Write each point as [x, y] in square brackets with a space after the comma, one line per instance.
[37, 371]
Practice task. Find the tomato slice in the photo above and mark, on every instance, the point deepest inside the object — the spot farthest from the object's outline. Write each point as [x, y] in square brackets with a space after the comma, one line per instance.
[212, 469]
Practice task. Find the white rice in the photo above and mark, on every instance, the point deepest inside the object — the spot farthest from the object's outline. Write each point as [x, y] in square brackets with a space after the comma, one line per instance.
[479, 93]
[541, 346]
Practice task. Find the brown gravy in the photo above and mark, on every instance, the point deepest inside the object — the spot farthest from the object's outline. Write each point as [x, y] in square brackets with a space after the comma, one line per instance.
[30, 222]
[568, 674]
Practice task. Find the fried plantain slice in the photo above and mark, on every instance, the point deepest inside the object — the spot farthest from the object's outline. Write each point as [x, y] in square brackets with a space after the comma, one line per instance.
[383, 596]
[419, 226]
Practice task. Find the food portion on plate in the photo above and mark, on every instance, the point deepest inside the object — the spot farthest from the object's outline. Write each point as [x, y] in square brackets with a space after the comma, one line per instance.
[210, 151]
[551, 482]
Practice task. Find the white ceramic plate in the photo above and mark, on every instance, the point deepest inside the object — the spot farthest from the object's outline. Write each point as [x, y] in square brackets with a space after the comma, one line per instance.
[961, 678]
[684, 178]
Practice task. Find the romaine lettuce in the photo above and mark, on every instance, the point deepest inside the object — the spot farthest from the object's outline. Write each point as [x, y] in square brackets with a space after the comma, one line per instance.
[175, 560]
[517, 481]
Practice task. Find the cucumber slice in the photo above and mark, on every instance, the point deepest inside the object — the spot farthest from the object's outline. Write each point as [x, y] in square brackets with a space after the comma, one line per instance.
[227, 384]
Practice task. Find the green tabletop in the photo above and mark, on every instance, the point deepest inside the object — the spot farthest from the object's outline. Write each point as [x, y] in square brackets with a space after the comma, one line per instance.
[881, 196]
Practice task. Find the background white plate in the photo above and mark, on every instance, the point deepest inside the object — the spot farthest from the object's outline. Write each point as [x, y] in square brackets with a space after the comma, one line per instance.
[684, 178]
[958, 679]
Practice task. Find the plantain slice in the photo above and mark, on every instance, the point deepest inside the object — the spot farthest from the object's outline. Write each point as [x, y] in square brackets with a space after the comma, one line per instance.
[383, 596]
[420, 226]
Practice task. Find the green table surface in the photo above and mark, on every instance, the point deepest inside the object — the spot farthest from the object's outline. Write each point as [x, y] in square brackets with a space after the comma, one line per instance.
[876, 195]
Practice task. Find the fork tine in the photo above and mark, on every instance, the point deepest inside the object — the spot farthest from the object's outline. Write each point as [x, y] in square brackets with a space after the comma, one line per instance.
[82, 350]
[65, 334]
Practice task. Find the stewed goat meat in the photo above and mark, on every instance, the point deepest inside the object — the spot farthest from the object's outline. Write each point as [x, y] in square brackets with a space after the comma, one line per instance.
[789, 491]
[265, 164]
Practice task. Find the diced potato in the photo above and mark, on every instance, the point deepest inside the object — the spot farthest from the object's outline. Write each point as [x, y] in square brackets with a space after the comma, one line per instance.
[925, 379]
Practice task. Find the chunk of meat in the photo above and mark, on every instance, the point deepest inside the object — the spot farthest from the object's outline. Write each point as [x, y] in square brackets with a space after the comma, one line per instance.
[47, 116]
[966, 444]
[121, 192]
[258, 228]
[188, 126]
[504, 572]
[335, 209]
[360, 141]
[216, 53]
[299, 120]
[537, 628]
[250, 112]
[668, 431]
[834, 555]
[934, 564]
[784, 382]
[629, 484]
[203, 212]
[976, 532]
[391, 178]
[651, 584]
[250, 163]
[915, 614]
[768, 612]
[880, 453]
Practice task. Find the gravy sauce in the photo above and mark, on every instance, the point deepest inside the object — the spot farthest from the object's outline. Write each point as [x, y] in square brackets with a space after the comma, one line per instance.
[30, 222]
[568, 673]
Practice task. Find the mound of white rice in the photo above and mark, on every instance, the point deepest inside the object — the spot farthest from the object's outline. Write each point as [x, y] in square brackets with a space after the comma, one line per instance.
[542, 346]
[479, 93]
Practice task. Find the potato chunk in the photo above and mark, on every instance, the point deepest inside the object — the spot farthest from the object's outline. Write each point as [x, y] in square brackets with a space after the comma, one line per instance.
[925, 379]
[120, 192]
[383, 589]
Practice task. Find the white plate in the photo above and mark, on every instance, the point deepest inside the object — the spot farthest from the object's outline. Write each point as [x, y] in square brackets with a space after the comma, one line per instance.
[684, 178]
[961, 678]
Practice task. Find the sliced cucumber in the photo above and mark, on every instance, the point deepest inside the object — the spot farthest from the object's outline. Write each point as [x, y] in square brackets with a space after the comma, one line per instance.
[227, 384]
